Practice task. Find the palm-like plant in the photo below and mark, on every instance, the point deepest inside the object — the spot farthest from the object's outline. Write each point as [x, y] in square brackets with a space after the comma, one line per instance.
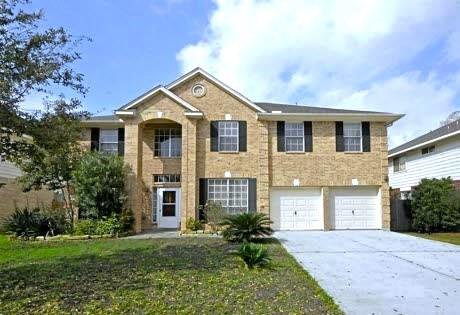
[246, 227]
[253, 255]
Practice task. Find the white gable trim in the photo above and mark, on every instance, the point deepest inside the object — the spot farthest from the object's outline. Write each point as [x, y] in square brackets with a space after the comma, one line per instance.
[424, 143]
[222, 85]
[165, 91]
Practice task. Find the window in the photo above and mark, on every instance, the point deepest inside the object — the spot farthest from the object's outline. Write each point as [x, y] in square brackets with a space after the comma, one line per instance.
[399, 164]
[168, 142]
[428, 150]
[294, 136]
[406, 195]
[352, 137]
[166, 178]
[2, 157]
[108, 141]
[231, 194]
[228, 136]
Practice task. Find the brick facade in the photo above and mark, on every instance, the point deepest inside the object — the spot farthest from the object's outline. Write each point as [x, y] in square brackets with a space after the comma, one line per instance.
[323, 168]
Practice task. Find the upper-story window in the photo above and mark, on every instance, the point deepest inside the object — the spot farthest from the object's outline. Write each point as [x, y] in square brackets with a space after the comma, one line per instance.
[168, 142]
[428, 150]
[352, 137]
[228, 136]
[399, 164]
[294, 137]
[108, 141]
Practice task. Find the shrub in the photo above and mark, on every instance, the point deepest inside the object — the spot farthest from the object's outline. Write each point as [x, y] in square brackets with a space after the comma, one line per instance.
[435, 206]
[253, 255]
[99, 185]
[85, 227]
[109, 225]
[246, 226]
[126, 220]
[24, 222]
[193, 224]
[214, 215]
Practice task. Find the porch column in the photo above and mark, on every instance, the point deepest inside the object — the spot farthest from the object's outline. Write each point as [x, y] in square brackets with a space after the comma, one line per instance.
[189, 185]
[133, 158]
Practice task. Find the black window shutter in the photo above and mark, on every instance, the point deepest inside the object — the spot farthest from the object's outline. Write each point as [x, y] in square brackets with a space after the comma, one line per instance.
[280, 136]
[203, 197]
[214, 136]
[95, 139]
[339, 146]
[308, 138]
[252, 194]
[242, 136]
[121, 141]
[366, 130]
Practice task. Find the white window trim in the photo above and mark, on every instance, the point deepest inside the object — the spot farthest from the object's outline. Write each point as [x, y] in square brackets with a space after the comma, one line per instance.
[237, 137]
[360, 135]
[400, 159]
[100, 140]
[303, 136]
[170, 144]
[227, 180]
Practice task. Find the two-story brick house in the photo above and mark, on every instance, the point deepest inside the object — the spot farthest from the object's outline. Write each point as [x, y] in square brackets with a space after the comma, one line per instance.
[197, 139]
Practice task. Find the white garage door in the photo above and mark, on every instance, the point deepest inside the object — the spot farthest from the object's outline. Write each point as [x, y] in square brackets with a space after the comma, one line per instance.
[297, 209]
[355, 208]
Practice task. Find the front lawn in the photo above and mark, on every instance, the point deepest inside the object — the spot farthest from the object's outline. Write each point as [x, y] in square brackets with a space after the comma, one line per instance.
[452, 238]
[188, 275]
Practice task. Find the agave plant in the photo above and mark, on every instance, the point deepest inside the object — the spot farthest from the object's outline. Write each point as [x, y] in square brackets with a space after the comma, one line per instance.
[246, 226]
[253, 255]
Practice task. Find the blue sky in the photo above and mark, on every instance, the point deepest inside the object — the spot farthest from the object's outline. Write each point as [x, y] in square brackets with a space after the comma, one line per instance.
[386, 55]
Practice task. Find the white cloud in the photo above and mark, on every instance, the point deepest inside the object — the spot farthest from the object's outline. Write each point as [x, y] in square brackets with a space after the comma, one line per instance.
[315, 51]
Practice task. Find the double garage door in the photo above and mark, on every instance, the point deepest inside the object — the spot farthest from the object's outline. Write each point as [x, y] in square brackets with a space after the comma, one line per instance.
[303, 209]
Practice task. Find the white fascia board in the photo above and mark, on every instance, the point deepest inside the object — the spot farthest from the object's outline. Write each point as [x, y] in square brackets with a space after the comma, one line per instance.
[168, 93]
[424, 143]
[218, 83]
[388, 118]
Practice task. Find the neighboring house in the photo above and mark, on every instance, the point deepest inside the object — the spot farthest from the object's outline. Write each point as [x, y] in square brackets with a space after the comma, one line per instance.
[196, 139]
[435, 154]
[11, 195]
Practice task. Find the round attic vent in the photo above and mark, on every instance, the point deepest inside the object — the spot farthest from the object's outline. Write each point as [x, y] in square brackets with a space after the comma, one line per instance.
[198, 90]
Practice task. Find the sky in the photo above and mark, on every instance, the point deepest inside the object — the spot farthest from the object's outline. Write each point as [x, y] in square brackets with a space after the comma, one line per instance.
[384, 55]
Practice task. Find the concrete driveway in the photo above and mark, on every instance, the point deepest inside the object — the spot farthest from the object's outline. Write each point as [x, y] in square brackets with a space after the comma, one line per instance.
[380, 272]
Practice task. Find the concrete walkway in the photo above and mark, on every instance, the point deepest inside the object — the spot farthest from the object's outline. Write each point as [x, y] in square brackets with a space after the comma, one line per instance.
[380, 272]
[158, 233]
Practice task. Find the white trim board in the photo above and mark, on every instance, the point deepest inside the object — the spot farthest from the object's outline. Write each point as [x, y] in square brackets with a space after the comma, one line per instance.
[214, 80]
[167, 93]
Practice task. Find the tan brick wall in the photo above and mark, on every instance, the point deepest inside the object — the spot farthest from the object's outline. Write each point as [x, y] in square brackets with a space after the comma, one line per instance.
[11, 196]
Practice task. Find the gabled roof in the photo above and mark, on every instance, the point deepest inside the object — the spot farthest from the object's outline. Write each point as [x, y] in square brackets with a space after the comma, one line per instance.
[290, 108]
[216, 81]
[152, 92]
[438, 134]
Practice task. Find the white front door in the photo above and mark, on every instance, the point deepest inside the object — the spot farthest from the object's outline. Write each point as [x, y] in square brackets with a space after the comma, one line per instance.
[168, 205]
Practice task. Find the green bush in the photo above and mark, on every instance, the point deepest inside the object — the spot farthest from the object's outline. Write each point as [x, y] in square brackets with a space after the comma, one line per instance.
[126, 220]
[99, 185]
[193, 224]
[253, 255]
[85, 227]
[246, 226]
[109, 225]
[435, 206]
[27, 222]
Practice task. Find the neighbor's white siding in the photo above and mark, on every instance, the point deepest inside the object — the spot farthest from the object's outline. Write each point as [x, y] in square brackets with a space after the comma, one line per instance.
[9, 171]
[443, 162]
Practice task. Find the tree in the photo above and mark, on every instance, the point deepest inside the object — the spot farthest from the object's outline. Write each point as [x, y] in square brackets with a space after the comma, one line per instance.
[31, 60]
[451, 118]
[435, 206]
[99, 183]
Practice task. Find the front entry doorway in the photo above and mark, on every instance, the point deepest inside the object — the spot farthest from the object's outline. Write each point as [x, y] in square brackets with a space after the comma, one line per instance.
[168, 207]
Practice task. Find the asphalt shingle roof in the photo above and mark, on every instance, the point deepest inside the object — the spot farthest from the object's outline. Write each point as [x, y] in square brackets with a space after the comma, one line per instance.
[290, 108]
[441, 131]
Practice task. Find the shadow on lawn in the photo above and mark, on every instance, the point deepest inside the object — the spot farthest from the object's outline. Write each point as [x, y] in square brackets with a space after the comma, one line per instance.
[75, 281]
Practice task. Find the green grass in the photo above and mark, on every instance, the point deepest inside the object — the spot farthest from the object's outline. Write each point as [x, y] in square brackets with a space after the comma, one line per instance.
[452, 238]
[186, 276]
